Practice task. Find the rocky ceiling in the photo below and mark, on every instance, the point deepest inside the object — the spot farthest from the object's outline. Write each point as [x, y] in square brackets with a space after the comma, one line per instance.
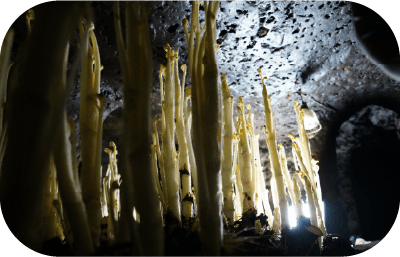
[307, 46]
[300, 46]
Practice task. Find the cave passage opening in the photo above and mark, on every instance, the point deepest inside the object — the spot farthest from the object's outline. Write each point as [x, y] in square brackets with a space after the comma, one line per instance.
[368, 147]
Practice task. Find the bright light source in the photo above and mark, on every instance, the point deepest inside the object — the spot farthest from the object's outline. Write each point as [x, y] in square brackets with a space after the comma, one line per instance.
[292, 217]
[311, 122]
[306, 212]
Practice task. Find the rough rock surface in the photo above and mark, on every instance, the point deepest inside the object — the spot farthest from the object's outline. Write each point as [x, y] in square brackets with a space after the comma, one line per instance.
[367, 147]
[296, 44]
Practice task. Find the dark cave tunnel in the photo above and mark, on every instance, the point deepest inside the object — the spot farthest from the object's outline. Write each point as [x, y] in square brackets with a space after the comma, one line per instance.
[367, 171]
[373, 165]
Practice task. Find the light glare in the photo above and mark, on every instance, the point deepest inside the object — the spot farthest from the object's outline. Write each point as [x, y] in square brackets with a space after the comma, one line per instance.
[292, 217]
[306, 212]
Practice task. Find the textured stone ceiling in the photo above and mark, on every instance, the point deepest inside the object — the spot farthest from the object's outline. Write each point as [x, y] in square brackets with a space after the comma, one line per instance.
[308, 46]
[299, 46]
[296, 44]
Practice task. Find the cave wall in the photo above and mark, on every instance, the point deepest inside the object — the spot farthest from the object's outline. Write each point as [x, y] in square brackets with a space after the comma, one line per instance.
[367, 152]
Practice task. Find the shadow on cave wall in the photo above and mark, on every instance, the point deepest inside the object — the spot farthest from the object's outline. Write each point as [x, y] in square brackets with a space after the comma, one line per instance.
[368, 148]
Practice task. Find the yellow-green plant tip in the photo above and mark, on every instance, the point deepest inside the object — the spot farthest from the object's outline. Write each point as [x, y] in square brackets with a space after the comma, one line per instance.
[166, 48]
[248, 106]
[185, 22]
[30, 15]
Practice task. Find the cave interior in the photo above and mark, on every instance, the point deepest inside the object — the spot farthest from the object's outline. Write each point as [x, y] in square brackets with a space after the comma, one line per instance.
[310, 52]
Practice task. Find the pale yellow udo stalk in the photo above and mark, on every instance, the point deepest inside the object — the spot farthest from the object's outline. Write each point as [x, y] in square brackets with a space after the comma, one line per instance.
[245, 163]
[138, 186]
[227, 168]
[207, 130]
[4, 71]
[89, 121]
[188, 126]
[307, 182]
[269, 130]
[297, 199]
[5, 66]
[282, 157]
[263, 191]
[184, 164]
[168, 139]
[51, 220]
